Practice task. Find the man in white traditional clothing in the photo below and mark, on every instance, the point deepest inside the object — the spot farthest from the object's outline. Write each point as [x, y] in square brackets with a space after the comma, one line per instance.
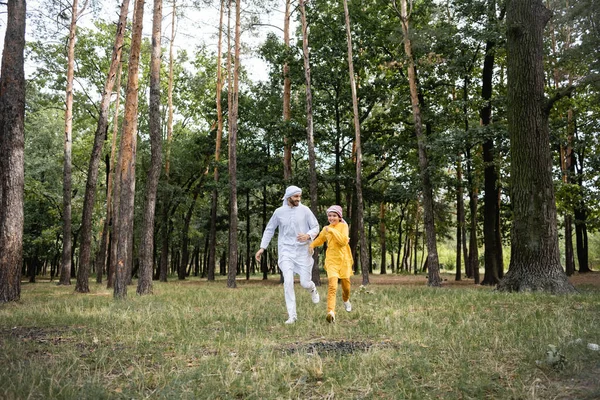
[298, 226]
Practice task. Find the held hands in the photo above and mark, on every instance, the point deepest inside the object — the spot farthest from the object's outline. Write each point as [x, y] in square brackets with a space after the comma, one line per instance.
[311, 251]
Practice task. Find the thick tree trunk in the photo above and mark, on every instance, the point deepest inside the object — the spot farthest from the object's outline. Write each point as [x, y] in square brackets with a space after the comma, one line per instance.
[535, 261]
[358, 156]
[215, 193]
[147, 235]
[233, 131]
[99, 137]
[127, 156]
[490, 200]
[309, 135]
[433, 276]
[12, 142]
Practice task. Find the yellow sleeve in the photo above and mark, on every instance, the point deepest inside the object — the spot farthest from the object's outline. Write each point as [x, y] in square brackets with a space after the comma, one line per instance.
[319, 240]
[340, 236]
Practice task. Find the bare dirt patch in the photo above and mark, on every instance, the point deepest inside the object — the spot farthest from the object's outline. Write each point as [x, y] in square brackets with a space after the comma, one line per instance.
[39, 335]
[341, 347]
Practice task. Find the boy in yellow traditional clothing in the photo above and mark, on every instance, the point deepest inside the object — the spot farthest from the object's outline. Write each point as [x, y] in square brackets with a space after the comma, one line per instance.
[338, 259]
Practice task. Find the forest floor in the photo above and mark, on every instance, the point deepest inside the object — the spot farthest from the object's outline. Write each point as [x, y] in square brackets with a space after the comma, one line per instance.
[195, 339]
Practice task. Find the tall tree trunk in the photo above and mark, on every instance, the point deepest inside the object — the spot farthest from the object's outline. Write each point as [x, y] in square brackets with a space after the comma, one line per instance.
[233, 131]
[215, 193]
[364, 263]
[147, 245]
[535, 261]
[491, 188]
[398, 262]
[568, 171]
[181, 272]
[382, 238]
[460, 216]
[99, 137]
[164, 250]
[263, 260]
[248, 257]
[580, 214]
[473, 260]
[101, 261]
[309, 134]
[127, 156]
[433, 275]
[287, 94]
[65, 271]
[12, 143]
[565, 153]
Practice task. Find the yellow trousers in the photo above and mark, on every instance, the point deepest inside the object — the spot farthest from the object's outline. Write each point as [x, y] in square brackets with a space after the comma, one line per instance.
[332, 290]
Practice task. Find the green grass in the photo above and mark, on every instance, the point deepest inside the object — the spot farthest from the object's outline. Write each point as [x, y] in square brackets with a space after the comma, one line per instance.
[200, 340]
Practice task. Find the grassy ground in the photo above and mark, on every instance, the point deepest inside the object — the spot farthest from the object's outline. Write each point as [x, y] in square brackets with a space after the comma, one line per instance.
[200, 340]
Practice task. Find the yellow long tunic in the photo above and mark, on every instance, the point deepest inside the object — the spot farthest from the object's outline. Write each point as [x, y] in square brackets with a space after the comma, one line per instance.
[338, 259]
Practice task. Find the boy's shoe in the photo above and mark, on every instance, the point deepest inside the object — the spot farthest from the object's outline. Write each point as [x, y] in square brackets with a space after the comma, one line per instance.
[331, 317]
[291, 320]
[315, 296]
[348, 306]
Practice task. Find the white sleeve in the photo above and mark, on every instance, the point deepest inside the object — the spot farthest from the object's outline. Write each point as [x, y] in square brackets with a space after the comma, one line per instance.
[269, 231]
[313, 225]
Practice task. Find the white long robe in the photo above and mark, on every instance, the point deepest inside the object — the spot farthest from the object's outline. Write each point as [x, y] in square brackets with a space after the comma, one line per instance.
[292, 221]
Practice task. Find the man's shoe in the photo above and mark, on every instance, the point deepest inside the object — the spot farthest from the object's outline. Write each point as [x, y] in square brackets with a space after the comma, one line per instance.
[331, 317]
[315, 296]
[290, 320]
[348, 306]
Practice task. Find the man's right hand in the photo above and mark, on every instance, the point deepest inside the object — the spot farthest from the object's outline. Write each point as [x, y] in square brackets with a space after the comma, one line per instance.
[258, 254]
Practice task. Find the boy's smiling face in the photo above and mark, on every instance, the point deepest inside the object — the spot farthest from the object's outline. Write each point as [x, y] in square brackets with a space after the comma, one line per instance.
[333, 218]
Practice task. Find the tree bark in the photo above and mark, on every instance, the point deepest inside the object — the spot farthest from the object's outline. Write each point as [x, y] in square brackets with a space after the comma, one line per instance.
[491, 188]
[181, 272]
[215, 193]
[147, 245]
[127, 157]
[101, 260]
[433, 275]
[287, 94]
[535, 262]
[460, 216]
[164, 250]
[310, 135]
[233, 131]
[65, 270]
[364, 262]
[12, 143]
[99, 137]
[382, 239]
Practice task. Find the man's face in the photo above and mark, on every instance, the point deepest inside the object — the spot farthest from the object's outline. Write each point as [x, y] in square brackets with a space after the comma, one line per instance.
[294, 200]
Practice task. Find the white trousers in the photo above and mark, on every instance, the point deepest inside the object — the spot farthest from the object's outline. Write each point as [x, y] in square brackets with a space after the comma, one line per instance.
[288, 269]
